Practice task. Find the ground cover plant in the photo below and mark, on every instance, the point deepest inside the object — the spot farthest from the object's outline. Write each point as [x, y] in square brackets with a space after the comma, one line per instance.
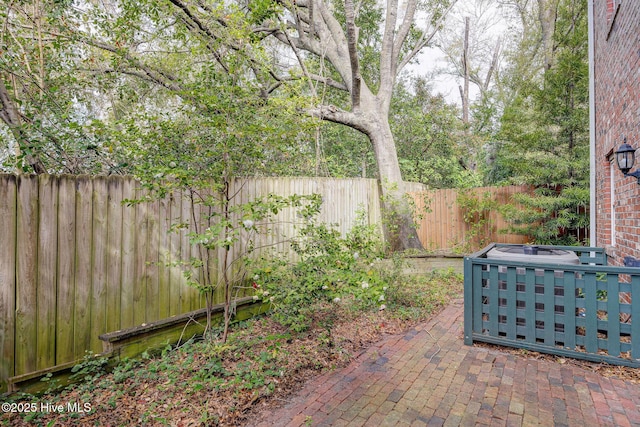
[209, 382]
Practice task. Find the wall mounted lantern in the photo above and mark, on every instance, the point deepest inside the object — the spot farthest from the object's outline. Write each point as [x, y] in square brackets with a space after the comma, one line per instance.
[626, 157]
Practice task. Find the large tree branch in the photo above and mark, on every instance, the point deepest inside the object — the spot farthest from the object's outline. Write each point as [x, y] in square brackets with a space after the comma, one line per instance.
[352, 41]
[403, 32]
[493, 66]
[329, 82]
[333, 114]
[207, 42]
[392, 46]
[320, 34]
[387, 74]
[194, 19]
[9, 112]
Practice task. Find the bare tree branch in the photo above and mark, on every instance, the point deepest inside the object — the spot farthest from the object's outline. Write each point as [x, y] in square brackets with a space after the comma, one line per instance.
[493, 66]
[161, 77]
[425, 38]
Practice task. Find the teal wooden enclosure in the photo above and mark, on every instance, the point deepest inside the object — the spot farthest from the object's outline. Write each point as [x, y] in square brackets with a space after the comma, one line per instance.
[583, 310]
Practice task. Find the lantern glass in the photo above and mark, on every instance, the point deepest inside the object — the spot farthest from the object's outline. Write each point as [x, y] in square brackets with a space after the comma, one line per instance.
[625, 157]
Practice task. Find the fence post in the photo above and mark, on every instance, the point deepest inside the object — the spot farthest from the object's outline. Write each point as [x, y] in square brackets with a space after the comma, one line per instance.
[468, 301]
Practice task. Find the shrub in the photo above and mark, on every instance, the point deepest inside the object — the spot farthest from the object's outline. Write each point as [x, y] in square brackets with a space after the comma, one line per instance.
[330, 268]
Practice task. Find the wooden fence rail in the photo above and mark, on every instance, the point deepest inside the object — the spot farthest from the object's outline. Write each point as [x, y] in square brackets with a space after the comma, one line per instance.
[76, 262]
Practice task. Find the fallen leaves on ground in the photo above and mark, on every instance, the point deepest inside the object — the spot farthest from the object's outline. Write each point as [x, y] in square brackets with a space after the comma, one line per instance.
[623, 373]
[221, 384]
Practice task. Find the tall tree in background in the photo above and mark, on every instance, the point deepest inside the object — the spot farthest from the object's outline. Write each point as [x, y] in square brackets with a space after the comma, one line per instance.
[157, 56]
[544, 132]
[472, 45]
[330, 33]
[428, 133]
[42, 102]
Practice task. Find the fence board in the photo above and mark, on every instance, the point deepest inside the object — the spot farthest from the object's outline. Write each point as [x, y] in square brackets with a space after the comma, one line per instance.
[152, 294]
[114, 253]
[66, 269]
[7, 277]
[164, 237]
[26, 275]
[185, 251]
[100, 240]
[84, 241]
[175, 272]
[141, 275]
[129, 258]
[47, 265]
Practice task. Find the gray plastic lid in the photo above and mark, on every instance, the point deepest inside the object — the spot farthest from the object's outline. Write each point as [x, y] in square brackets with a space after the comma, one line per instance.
[533, 254]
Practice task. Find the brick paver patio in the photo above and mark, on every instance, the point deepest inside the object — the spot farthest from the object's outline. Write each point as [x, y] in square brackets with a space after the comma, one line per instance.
[429, 377]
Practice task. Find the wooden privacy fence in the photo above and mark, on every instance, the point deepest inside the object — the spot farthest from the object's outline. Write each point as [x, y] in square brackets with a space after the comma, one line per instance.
[77, 263]
[442, 225]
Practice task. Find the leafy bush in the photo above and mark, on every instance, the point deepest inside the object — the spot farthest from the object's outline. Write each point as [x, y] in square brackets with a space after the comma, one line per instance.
[330, 268]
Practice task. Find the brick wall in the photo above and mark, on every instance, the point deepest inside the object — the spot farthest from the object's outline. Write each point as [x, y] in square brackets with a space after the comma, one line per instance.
[617, 103]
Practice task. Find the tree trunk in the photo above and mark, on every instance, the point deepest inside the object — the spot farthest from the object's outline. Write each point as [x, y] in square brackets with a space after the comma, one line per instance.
[372, 119]
[547, 15]
[11, 116]
[398, 219]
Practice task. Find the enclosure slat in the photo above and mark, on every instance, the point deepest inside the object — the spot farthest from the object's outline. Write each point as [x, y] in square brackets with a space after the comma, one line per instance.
[530, 304]
[476, 304]
[570, 312]
[549, 307]
[470, 303]
[591, 313]
[511, 303]
[635, 317]
[613, 315]
[493, 300]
